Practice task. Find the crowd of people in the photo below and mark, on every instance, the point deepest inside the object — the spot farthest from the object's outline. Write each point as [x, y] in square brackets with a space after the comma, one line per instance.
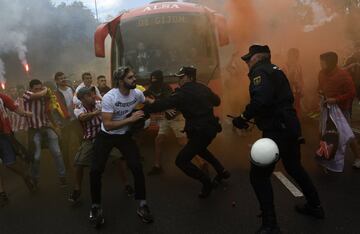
[104, 120]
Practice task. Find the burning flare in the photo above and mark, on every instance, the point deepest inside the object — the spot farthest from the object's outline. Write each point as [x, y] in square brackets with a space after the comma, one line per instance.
[27, 68]
[3, 86]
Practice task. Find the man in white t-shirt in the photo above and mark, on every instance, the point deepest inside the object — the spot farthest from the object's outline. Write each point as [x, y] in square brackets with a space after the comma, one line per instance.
[87, 82]
[118, 115]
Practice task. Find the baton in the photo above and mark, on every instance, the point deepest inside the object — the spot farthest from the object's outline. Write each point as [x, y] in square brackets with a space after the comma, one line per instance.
[233, 117]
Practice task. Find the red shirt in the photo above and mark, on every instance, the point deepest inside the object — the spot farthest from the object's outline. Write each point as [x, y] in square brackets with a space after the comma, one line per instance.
[6, 102]
[39, 110]
[338, 84]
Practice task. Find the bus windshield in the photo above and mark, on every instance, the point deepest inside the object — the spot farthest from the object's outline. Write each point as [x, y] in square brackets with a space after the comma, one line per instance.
[166, 42]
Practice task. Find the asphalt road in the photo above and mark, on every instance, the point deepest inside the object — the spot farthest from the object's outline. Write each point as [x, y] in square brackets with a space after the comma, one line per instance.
[173, 197]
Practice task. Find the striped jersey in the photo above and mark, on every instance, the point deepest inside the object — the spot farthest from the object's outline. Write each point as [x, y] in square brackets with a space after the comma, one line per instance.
[92, 126]
[38, 108]
[18, 122]
[6, 103]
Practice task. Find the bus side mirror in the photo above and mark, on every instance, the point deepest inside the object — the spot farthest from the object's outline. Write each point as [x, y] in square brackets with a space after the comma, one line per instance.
[101, 33]
[222, 30]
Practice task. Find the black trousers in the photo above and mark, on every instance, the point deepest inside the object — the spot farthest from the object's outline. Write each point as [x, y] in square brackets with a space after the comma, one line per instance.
[197, 145]
[127, 146]
[289, 149]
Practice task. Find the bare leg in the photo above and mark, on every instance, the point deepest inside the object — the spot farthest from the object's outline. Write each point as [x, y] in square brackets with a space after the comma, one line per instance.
[355, 148]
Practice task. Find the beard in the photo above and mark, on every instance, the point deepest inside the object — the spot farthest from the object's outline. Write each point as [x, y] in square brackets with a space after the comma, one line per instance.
[130, 86]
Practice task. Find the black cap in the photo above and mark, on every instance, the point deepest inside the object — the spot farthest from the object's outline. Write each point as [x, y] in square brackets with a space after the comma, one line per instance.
[85, 90]
[255, 49]
[189, 71]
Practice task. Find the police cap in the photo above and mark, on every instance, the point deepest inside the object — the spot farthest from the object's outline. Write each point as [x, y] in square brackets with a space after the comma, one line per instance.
[255, 49]
[188, 71]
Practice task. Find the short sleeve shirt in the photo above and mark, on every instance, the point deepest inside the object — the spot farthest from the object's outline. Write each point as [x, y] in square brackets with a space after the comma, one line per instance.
[120, 106]
[92, 126]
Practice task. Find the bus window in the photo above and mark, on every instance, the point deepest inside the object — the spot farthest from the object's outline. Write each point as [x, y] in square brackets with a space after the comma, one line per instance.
[166, 42]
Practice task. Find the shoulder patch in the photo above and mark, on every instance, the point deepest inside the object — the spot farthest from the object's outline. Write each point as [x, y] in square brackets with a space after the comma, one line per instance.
[276, 68]
[257, 80]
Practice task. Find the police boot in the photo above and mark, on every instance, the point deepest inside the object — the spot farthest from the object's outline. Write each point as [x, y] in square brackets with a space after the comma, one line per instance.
[269, 224]
[218, 179]
[207, 187]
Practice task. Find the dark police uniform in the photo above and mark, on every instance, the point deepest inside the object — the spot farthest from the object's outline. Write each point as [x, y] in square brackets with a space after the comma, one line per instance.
[271, 106]
[196, 102]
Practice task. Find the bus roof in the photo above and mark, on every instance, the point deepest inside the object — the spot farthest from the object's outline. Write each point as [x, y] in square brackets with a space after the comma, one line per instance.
[164, 7]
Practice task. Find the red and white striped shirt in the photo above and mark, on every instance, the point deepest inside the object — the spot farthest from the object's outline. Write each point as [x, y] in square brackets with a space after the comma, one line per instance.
[92, 126]
[18, 122]
[39, 110]
[6, 103]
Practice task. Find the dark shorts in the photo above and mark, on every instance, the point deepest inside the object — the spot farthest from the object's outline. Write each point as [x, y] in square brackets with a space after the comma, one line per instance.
[7, 153]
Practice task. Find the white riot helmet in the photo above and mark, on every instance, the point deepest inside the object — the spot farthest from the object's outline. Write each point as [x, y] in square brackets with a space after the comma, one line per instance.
[264, 152]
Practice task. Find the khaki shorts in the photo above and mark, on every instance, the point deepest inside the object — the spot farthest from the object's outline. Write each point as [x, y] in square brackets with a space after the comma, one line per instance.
[176, 126]
[85, 154]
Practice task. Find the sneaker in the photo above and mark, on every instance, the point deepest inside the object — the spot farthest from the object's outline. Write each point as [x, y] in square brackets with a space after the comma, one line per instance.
[4, 200]
[74, 196]
[145, 214]
[206, 190]
[306, 209]
[155, 171]
[356, 164]
[220, 177]
[129, 190]
[96, 217]
[268, 230]
[62, 182]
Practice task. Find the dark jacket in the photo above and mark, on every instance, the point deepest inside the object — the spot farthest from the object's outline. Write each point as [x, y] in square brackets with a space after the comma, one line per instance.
[196, 102]
[271, 103]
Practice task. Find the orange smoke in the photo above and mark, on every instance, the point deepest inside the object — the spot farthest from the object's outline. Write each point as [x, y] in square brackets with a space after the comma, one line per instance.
[243, 26]
[313, 29]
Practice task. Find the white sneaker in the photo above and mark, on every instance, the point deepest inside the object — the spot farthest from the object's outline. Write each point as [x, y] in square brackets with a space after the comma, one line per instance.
[356, 163]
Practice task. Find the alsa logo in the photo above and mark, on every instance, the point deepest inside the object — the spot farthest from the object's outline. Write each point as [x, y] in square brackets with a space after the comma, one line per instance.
[161, 6]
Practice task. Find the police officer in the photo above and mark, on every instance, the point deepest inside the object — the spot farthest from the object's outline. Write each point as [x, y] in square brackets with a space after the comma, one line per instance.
[196, 102]
[271, 106]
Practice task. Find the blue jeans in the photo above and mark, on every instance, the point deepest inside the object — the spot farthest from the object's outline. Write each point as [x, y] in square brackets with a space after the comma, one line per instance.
[53, 145]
